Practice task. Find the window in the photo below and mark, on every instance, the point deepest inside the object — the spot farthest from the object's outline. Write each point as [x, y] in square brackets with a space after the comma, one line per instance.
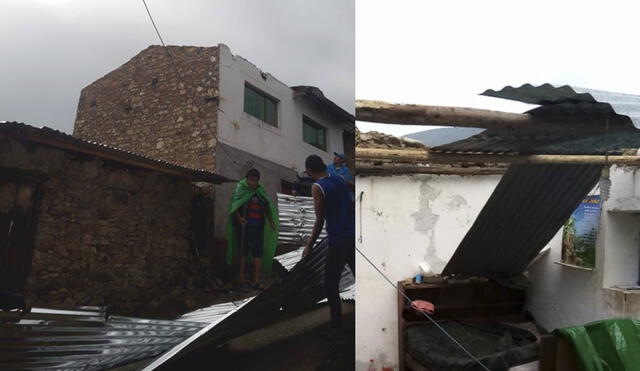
[314, 134]
[260, 106]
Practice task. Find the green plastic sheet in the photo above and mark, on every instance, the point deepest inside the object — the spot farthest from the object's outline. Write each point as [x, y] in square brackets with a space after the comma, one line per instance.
[241, 195]
[607, 345]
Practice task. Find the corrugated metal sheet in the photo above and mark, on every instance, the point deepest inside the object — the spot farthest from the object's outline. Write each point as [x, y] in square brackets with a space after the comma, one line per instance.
[297, 215]
[347, 281]
[513, 143]
[83, 339]
[576, 99]
[301, 288]
[216, 312]
[524, 212]
[69, 142]
[86, 339]
[565, 101]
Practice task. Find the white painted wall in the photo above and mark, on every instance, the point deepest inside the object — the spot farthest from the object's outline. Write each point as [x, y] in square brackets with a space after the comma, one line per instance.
[282, 145]
[403, 221]
[562, 296]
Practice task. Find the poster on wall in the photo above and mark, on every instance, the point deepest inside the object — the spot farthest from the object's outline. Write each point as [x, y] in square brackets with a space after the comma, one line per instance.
[580, 234]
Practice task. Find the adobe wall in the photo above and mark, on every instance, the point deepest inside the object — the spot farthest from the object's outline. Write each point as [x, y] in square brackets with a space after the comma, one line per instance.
[108, 234]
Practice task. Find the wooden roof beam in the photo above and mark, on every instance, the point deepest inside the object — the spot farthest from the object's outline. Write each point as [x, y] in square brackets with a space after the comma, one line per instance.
[414, 156]
[414, 114]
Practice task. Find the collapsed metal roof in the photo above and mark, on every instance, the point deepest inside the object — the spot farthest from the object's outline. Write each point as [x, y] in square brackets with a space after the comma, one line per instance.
[572, 99]
[301, 288]
[527, 208]
[215, 312]
[500, 142]
[84, 339]
[297, 215]
[560, 102]
[87, 339]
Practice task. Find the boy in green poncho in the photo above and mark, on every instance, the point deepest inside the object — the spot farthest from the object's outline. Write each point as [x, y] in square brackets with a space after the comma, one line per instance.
[247, 230]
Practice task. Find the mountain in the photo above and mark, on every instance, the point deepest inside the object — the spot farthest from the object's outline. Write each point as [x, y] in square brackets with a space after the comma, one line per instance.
[437, 137]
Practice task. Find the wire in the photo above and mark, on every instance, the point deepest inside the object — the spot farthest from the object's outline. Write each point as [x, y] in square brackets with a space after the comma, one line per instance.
[409, 299]
[424, 313]
[179, 75]
[161, 40]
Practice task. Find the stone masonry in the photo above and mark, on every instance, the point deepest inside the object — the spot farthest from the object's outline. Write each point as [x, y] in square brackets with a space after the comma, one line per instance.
[144, 107]
[108, 234]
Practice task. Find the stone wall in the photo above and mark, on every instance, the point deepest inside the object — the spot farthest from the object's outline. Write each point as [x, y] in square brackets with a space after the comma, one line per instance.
[145, 108]
[109, 234]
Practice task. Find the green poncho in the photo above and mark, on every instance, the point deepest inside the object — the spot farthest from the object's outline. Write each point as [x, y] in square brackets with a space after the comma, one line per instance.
[240, 196]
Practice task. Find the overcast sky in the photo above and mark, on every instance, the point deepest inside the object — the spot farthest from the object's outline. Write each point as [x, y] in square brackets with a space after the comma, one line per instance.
[447, 52]
[51, 49]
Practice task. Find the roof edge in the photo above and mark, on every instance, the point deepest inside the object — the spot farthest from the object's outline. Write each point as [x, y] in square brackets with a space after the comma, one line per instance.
[58, 139]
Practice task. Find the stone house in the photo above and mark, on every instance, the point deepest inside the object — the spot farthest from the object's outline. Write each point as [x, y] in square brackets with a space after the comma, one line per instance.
[207, 108]
[87, 224]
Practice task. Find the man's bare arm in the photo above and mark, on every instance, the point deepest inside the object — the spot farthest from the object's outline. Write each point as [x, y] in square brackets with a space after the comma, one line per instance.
[318, 203]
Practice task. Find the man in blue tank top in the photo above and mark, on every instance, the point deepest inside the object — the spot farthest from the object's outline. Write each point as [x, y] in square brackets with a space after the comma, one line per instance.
[334, 204]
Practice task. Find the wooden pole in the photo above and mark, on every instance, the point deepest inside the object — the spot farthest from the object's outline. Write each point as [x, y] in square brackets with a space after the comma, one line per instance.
[413, 156]
[413, 114]
[363, 169]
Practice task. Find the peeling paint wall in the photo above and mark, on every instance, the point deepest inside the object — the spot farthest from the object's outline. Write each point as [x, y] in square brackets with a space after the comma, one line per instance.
[561, 296]
[403, 221]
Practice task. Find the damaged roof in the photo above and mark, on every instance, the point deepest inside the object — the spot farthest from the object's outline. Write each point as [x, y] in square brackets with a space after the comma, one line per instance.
[58, 139]
[524, 212]
[301, 288]
[316, 96]
[500, 142]
[85, 338]
[297, 216]
[555, 99]
[618, 116]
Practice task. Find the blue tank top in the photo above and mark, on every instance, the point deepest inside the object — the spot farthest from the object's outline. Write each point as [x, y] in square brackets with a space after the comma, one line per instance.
[339, 211]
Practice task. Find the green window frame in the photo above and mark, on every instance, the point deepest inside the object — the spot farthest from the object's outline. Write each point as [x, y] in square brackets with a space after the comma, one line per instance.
[260, 105]
[314, 134]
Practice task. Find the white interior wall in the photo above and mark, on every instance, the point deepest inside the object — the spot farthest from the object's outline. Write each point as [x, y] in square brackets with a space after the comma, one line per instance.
[561, 296]
[403, 221]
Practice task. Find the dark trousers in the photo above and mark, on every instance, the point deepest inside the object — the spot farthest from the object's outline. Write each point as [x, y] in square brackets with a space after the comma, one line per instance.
[339, 254]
